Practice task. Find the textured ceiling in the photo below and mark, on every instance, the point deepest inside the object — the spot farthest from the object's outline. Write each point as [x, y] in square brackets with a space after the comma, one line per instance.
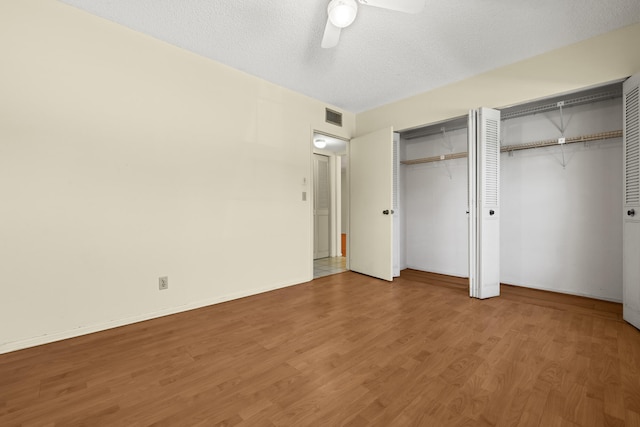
[384, 56]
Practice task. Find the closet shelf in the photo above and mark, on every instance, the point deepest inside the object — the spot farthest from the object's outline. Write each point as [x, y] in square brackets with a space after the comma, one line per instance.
[509, 148]
[434, 158]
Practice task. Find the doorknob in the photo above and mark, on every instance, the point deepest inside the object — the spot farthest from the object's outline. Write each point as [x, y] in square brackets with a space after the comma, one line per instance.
[491, 212]
[385, 212]
[631, 212]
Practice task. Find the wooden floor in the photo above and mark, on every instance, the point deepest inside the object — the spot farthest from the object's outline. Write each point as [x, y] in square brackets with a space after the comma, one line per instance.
[343, 350]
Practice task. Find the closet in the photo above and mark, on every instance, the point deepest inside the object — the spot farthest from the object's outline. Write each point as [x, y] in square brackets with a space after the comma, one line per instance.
[561, 190]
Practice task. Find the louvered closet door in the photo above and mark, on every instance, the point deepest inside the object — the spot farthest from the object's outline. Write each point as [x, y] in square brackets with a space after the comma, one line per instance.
[484, 203]
[631, 208]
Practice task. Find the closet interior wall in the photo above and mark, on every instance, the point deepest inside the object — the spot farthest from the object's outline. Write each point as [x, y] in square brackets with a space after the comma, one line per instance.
[435, 197]
[560, 229]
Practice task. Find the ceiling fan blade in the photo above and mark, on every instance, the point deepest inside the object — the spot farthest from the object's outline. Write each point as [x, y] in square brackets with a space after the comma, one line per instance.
[331, 35]
[407, 6]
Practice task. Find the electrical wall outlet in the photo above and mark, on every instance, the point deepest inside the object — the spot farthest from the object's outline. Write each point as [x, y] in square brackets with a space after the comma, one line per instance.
[163, 283]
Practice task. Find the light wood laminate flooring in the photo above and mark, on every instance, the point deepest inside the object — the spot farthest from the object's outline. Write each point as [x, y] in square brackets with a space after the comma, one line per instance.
[343, 350]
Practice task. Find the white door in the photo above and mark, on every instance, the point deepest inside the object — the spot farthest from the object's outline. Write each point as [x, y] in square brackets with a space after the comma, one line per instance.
[484, 203]
[371, 210]
[631, 208]
[321, 207]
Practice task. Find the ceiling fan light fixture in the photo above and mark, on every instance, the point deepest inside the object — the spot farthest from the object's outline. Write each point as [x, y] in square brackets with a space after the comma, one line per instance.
[342, 12]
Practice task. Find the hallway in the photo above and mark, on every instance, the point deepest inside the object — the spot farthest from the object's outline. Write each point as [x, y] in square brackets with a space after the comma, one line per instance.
[328, 266]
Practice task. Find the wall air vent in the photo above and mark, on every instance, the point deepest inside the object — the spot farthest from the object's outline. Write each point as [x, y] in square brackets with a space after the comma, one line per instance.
[333, 117]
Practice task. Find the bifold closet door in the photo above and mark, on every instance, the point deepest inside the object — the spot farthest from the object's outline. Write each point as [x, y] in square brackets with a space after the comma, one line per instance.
[484, 202]
[371, 204]
[631, 197]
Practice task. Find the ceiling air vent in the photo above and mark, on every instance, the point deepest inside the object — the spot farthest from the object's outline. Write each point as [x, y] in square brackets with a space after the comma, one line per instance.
[333, 117]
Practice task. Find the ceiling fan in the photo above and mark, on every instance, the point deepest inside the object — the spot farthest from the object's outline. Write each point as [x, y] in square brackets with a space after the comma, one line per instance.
[343, 12]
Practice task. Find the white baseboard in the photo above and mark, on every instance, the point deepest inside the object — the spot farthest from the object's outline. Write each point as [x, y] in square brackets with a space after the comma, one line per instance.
[566, 292]
[84, 330]
[541, 288]
[443, 272]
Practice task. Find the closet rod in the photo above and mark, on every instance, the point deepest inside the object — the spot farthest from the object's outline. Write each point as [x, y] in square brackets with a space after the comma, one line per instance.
[572, 140]
[509, 148]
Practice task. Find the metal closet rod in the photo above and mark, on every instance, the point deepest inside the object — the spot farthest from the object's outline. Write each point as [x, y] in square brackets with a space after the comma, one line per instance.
[510, 148]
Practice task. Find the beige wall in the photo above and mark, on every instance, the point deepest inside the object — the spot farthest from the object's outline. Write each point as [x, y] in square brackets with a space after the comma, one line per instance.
[123, 159]
[609, 57]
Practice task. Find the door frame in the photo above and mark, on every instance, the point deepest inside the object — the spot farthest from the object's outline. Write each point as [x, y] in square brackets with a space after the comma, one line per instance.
[335, 219]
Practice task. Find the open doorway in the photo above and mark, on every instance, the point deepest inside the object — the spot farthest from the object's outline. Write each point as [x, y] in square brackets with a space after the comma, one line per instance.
[330, 205]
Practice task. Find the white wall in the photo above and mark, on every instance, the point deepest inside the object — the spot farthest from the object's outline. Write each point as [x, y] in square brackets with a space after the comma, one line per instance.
[402, 207]
[435, 196]
[123, 159]
[560, 227]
